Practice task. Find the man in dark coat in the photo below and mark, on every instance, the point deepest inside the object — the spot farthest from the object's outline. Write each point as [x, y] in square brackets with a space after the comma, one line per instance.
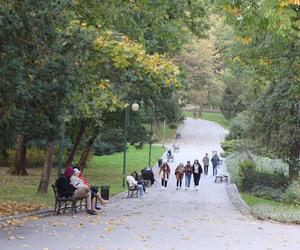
[215, 160]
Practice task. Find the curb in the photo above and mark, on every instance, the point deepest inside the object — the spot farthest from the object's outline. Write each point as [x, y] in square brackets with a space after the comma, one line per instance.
[236, 199]
[47, 212]
[40, 213]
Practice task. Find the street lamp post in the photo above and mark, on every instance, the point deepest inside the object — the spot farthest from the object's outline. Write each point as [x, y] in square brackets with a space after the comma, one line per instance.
[164, 132]
[151, 132]
[134, 105]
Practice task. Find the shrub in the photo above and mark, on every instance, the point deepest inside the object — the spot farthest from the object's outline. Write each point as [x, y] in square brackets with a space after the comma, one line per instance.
[264, 180]
[238, 126]
[267, 193]
[103, 148]
[263, 164]
[292, 193]
[244, 167]
[228, 147]
[232, 162]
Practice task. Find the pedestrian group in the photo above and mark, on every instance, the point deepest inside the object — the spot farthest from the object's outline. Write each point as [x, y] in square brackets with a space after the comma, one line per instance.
[187, 171]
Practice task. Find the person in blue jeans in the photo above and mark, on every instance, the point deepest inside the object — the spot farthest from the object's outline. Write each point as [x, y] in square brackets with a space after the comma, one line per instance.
[132, 182]
[188, 171]
[215, 160]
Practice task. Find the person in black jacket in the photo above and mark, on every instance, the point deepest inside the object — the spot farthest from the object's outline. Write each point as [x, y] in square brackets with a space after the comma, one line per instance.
[147, 174]
[215, 160]
[197, 171]
[65, 189]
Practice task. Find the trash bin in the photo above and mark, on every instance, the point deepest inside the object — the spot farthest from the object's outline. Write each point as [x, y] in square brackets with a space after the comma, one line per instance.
[159, 162]
[105, 192]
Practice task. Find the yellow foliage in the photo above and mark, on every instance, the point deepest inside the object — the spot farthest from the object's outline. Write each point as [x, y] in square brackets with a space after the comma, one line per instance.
[237, 58]
[244, 40]
[265, 61]
[125, 53]
[103, 85]
[285, 3]
[232, 10]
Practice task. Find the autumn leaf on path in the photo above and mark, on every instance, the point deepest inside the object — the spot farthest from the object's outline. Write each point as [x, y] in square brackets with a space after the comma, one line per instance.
[108, 229]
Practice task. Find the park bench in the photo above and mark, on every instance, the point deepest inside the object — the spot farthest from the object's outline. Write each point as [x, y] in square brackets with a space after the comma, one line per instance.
[221, 178]
[67, 203]
[175, 148]
[133, 191]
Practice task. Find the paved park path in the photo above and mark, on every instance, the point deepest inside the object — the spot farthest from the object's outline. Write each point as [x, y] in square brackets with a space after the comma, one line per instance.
[164, 219]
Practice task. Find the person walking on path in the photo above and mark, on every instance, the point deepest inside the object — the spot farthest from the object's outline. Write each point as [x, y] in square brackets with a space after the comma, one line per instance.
[179, 175]
[164, 174]
[205, 163]
[197, 171]
[215, 160]
[188, 170]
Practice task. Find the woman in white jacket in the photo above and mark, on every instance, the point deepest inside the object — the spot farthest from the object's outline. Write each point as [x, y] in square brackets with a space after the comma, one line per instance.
[132, 183]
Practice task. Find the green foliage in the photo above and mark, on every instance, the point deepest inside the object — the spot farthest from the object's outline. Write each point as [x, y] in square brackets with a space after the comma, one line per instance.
[104, 148]
[263, 74]
[239, 126]
[268, 193]
[161, 26]
[228, 146]
[292, 193]
[264, 182]
[276, 119]
[244, 168]
[268, 209]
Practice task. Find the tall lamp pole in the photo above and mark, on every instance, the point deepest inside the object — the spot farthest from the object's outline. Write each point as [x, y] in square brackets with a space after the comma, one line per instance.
[151, 133]
[134, 105]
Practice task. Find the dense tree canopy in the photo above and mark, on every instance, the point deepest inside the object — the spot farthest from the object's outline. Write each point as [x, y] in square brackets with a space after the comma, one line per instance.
[263, 60]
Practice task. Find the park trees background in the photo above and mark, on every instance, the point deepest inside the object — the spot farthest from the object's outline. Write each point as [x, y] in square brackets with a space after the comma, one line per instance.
[67, 65]
[263, 66]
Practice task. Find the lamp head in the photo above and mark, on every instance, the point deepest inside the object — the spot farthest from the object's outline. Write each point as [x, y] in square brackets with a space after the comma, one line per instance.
[135, 107]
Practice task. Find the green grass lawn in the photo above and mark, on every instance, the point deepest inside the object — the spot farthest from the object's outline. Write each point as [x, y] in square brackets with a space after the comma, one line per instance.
[211, 116]
[101, 170]
[267, 209]
[253, 200]
[107, 170]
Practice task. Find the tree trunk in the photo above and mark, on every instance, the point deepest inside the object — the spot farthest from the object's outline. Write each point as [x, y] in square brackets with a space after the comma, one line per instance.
[18, 167]
[200, 109]
[85, 152]
[293, 164]
[83, 125]
[43, 187]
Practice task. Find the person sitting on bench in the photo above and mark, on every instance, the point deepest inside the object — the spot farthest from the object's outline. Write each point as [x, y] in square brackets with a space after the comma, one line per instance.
[139, 180]
[133, 183]
[66, 189]
[94, 190]
[147, 174]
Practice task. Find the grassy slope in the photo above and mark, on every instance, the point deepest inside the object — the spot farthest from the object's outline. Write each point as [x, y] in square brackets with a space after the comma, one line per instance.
[267, 209]
[212, 116]
[107, 170]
